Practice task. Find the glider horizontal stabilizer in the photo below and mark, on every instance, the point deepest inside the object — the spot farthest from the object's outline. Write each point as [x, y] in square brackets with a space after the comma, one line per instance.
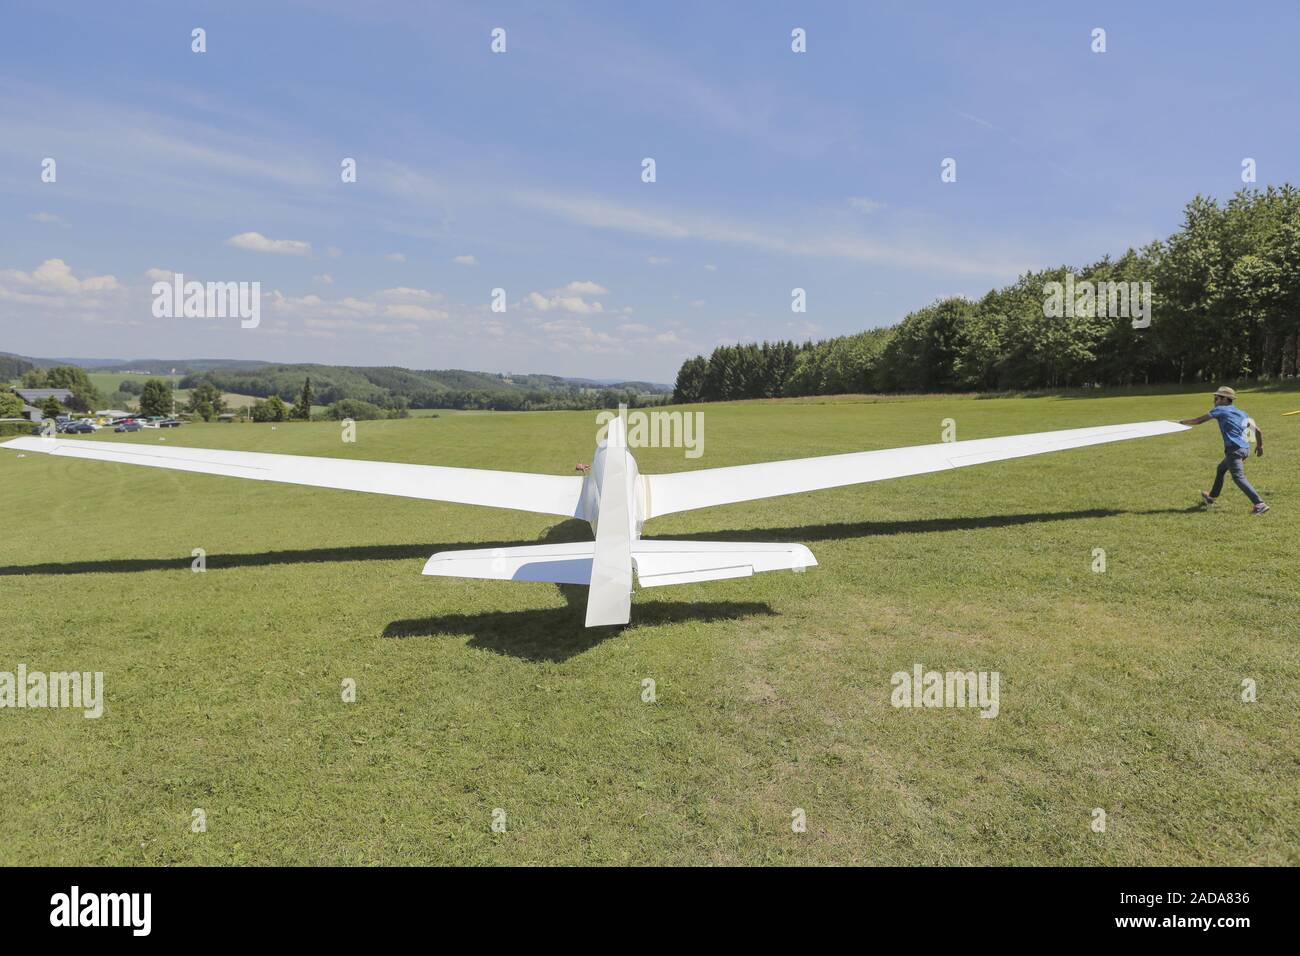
[556, 563]
[681, 562]
[657, 563]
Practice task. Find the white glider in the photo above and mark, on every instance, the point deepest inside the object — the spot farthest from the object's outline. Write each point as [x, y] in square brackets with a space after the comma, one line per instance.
[613, 497]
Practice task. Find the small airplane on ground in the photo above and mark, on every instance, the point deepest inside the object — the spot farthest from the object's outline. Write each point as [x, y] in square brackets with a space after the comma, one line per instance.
[612, 496]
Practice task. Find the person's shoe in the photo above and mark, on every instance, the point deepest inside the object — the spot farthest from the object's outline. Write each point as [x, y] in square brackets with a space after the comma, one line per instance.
[1259, 509]
[1206, 499]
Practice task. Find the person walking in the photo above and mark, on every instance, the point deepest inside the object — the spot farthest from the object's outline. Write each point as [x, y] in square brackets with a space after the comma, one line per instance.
[1235, 425]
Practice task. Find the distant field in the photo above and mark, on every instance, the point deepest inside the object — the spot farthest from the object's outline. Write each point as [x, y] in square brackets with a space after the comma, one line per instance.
[109, 382]
[232, 400]
[1120, 690]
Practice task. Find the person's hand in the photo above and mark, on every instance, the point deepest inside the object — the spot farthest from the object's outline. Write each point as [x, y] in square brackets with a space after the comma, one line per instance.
[1259, 451]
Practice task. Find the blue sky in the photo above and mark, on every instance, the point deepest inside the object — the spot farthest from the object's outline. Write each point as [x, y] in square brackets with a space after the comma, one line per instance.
[522, 170]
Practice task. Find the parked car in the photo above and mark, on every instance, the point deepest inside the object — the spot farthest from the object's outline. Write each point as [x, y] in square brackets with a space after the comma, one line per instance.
[79, 428]
[128, 427]
[169, 423]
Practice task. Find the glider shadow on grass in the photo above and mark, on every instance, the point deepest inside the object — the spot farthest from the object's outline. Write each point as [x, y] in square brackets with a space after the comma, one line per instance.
[556, 634]
[217, 561]
[564, 532]
[878, 529]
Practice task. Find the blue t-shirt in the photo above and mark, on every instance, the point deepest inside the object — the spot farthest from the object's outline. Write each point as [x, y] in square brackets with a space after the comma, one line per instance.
[1232, 422]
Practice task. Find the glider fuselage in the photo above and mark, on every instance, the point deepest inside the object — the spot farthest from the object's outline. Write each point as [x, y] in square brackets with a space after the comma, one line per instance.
[614, 482]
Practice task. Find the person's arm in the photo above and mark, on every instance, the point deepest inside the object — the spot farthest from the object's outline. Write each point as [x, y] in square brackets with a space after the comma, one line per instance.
[1194, 421]
[1259, 440]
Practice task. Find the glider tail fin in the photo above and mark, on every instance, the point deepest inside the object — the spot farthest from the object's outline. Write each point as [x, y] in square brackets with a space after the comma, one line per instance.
[609, 598]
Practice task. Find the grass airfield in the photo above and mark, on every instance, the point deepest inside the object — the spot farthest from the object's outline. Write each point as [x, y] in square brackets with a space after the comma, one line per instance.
[1119, 690]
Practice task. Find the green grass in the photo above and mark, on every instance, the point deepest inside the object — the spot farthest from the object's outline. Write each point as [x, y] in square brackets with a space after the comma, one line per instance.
[1119, 690]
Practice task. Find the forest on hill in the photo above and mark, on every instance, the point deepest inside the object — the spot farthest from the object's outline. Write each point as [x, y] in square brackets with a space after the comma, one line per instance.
[395, 388]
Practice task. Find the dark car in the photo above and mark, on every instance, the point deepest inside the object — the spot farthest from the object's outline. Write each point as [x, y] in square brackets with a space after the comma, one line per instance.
[128, 427]
[79, 428]
[169, 423]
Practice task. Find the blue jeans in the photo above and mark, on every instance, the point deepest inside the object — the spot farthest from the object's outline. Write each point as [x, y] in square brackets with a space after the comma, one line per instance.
[1233, 459]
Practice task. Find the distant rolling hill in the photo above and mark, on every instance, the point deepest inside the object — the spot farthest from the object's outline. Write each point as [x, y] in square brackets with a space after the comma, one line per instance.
[386, 386]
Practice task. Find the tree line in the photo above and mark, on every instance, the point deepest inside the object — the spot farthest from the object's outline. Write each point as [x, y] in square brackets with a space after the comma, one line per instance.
[1223, 306]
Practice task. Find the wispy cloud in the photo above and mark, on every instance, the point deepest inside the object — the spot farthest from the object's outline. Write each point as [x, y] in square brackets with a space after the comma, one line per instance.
[256, 242]
[890, 250]
[864, 205]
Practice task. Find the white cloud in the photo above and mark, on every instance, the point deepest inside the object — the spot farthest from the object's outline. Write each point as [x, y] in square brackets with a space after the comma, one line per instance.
[52, 292]
[256, 242]
[159, 275]
[54, 277]
[364, 306]
[570, 298]
[417, 313]
[582, 288]
[563, 303]
[43, 217]
[315, 308]
[710, 267]
[356, 325]
[567, 335]
[575, 335]
[657, 260]
[865, 205]
[324, 279]
[465, 261]
[395, 257]
[406, 292]
[333, 252]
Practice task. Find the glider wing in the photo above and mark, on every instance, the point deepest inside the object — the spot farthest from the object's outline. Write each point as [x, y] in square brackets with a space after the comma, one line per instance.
[544, 494]
[707, 487]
